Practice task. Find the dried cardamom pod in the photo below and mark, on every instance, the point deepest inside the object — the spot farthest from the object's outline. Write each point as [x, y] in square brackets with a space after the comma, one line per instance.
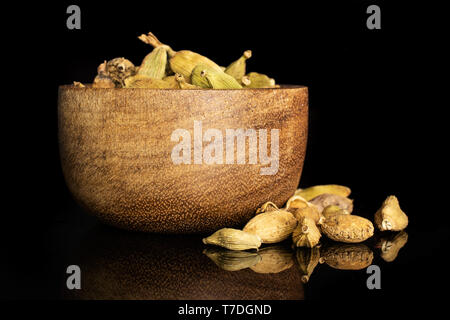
[390, 216]
[348, 256]
[78, 84]
[103, 81]
[119, 69]
[307, 259]
[391, 245]
[328, 199]
[206, 77]
[233, 239]
[154, 63]
[183, 84]
[231, 260]
[332, 210]
[274, 259]
[143, 81]
[268, 206]
[258, 80]
[272, 226]
[183, 61]
[300, 208]
[306, 234]
[347, 228]
[312, 192]
[237, 68]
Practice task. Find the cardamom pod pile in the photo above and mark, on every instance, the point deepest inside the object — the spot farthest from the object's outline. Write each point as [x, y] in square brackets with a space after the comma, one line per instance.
[164, 68]
[307, 215]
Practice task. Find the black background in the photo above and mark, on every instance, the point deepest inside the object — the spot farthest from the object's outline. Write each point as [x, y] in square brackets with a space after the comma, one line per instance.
[374, 126]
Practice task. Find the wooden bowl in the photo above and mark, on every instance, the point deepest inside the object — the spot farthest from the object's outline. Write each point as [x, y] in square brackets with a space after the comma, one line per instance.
[116, 154]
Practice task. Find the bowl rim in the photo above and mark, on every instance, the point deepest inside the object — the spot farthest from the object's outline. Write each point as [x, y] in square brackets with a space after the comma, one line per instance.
[89, 87]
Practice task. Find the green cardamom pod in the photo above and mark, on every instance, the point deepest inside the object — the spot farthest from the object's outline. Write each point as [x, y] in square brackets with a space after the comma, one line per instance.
[183, 61]
[154, 64]
[206, 77]
[238, 67]
[233, 239]
[258, 80]
[142, 81]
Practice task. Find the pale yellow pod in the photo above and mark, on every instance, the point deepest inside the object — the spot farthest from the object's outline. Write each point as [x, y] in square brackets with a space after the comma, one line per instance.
[390, 216]
[312, 192]
[268, 206]
[272, 226]
[233, 239]
[328, 199]
[347, 256]
[332, 210]
[347, 228]
[274, 259]
[306, 234]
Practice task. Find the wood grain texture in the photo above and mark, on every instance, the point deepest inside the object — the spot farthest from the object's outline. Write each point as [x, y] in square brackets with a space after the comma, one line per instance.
[116, 149]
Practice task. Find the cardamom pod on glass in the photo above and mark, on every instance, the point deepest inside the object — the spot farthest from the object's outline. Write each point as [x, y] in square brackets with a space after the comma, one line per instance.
[207, 77]
[328, 199]
[306, 234]
[301, 208]
[347, 228]
[390, 216]
[272, 226]
[233, 239]
[332, 210]
[312, 192]
[183, 61]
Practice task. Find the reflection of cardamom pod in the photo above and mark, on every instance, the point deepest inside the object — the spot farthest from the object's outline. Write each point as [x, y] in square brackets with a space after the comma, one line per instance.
[206, 77]
[274, 259]
[119, 69]
[182, 62]
[328, 199]
[390, 216]
[272, 226]
[348, 256]
[307, 259]
[237, 68]
[231, 260]
[143, 81]
[391, 245]
[306, 234]
[258, 80]
[233, 239]
[154, 63]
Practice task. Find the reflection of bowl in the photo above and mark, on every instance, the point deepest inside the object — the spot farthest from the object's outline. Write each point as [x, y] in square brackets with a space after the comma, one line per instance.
[116, 148]
[120, 265]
